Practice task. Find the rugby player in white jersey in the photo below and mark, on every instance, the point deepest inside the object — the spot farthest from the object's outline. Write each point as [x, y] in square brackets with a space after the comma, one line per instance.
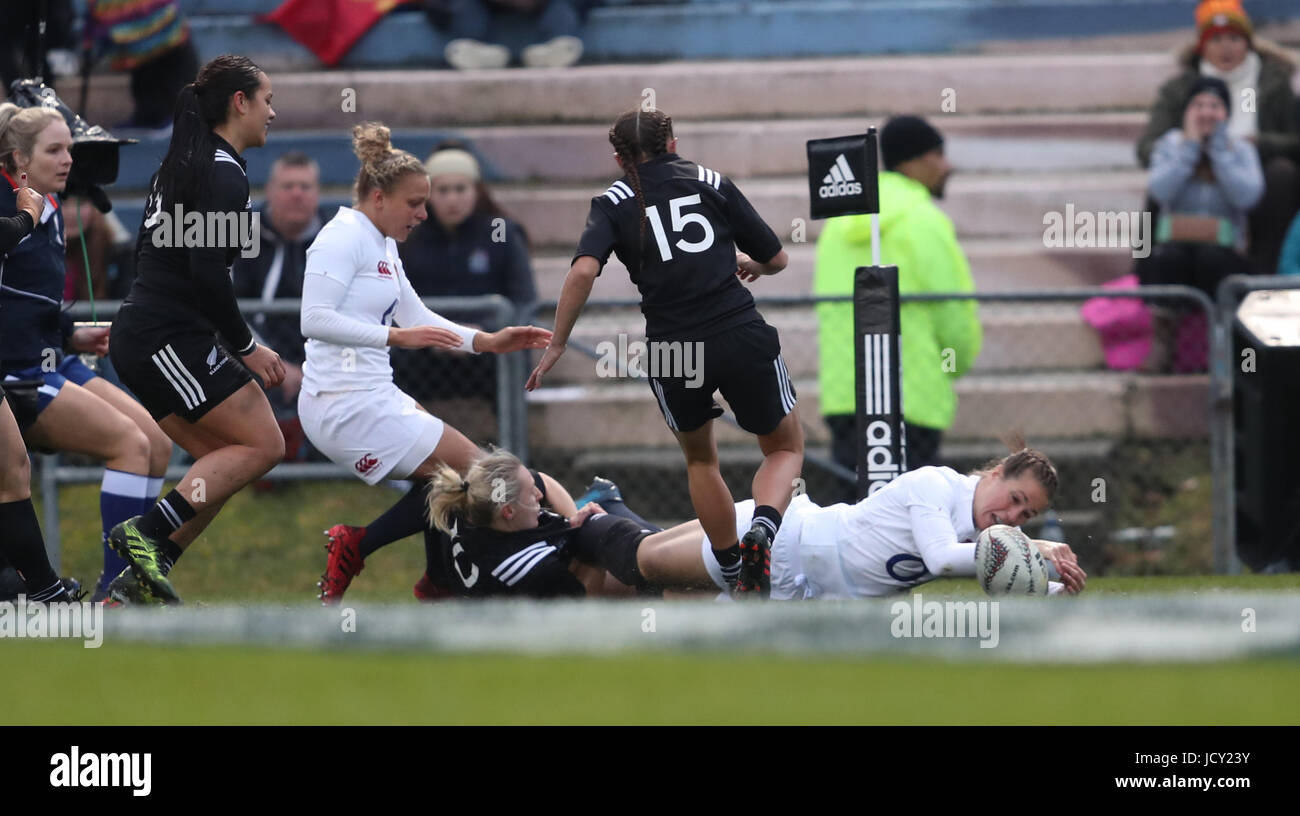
[919, 527]
[356, 302]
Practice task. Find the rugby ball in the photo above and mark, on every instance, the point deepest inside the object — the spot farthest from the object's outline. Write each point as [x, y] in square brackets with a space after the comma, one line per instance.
[1008, 563]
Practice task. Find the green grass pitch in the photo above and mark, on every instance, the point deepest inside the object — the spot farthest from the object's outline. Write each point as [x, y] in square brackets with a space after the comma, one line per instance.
[221, 685]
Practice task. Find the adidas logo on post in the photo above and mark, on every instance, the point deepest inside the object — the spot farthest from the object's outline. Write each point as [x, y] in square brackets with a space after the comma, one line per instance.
[839, 181]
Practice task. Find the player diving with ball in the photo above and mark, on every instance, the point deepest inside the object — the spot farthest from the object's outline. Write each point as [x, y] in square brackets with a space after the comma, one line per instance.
[919, 527]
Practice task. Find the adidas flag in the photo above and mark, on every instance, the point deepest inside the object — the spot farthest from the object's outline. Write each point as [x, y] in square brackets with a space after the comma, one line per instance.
[842, 176]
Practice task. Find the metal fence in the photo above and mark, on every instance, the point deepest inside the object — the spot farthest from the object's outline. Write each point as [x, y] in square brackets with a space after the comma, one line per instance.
[1139, 451]
[480, 395]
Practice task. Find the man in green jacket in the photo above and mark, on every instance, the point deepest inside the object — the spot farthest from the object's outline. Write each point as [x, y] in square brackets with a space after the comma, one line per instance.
[939, 339]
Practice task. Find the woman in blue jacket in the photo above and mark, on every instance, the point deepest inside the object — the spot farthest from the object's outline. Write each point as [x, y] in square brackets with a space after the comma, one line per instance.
[76, 410]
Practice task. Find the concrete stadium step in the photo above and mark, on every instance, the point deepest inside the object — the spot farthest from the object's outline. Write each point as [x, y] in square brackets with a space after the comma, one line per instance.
[1066, 405]
[997, 265]
[981, 206]
[985, 206]
[1017, 338]
[780, 89]
[740, 149]
[705, 29]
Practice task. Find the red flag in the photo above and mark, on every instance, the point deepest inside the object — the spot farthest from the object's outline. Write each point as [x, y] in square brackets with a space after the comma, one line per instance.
[329, 27]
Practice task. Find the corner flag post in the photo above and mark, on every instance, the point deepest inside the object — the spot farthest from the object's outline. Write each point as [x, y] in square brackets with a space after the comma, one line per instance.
[842, 180]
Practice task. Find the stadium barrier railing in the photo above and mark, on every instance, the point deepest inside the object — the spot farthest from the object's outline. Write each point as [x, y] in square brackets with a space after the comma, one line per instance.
[1138, 450]
[481, 395]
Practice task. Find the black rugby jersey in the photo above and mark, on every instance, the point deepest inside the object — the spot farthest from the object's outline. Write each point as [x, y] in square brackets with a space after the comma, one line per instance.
[685, 268]
[479, 562]
[193, 284]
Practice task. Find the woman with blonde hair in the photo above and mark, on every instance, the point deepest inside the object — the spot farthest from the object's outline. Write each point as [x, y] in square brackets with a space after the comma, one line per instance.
[75, 410]
[356, 303]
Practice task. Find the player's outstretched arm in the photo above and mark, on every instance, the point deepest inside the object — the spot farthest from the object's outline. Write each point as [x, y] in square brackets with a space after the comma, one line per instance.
[512, 338]
[573, 296]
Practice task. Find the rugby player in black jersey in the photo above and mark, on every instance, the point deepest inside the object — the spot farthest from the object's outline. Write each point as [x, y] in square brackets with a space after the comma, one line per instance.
[179, 342]
[688, 237]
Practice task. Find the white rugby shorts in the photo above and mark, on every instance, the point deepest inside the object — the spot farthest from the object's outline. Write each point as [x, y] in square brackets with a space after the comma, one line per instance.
[378, 434]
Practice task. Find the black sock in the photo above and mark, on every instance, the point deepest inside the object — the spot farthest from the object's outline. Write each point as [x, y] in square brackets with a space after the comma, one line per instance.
[767, 516]
[24, 546]
[729, 560]
[171, 554]
[167, 516]
[433, 538]
[406, 518]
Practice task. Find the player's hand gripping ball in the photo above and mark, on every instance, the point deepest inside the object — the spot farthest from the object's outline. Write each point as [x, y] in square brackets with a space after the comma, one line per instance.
[1008, 563]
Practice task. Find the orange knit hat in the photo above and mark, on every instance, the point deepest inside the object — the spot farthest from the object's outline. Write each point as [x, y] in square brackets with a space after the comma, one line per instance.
[1215, 16]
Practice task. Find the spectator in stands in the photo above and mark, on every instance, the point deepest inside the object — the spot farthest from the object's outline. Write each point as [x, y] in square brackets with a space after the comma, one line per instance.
[290, 219]
[151, 39]
[1289, 263]
[467, 247]
[1262, 109]
[470, 24]
[1205, 181]
[943, 338]
[20, 35]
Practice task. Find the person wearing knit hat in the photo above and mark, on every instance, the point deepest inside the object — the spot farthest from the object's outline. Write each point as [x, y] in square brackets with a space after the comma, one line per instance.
[943, 338]
[911, 146]
[1205, 181]
[1212, 85]
[1263, 112]
[1218, 16]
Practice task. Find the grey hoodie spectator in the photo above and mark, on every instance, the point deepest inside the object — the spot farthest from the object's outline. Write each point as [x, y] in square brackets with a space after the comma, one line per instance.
[1205, 182]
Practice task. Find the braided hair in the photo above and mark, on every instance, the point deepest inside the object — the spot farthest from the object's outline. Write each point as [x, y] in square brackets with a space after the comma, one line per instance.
[639, 135]
[1024, 459]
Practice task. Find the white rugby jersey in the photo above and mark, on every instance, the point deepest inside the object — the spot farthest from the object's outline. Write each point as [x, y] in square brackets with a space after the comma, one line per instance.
[917, 528]
[354, 288]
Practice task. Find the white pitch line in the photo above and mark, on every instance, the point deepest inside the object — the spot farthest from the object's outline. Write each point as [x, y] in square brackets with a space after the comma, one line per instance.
[1080, 630]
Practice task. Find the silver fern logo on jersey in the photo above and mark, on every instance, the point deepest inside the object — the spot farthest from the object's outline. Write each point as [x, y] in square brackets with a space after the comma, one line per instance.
[657, 359]
[199, 229]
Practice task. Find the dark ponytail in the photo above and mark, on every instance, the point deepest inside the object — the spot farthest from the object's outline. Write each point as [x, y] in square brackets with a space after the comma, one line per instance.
[201, 106]
[638, 135]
